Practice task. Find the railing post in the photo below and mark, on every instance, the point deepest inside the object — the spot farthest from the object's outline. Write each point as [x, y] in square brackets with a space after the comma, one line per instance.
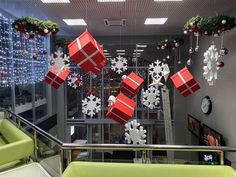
[221, 157]
[144, 156]
[35, 145]
[69, 157]
[62, 166]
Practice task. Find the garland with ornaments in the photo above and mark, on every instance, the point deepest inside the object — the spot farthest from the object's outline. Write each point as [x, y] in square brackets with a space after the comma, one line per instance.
[212, 25]
[33, 26]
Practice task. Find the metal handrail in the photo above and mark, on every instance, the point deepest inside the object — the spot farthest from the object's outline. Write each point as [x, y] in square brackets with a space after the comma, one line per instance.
[144, 148]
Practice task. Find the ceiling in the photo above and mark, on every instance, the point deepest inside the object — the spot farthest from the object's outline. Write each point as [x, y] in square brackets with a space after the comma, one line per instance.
[135, 11]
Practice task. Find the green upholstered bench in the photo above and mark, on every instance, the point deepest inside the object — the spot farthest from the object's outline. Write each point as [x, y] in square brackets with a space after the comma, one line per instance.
[14, 144]
[96, 169]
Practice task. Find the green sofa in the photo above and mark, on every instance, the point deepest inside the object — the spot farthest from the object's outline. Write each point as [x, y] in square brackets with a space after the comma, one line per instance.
[98, 169]
[14, 144]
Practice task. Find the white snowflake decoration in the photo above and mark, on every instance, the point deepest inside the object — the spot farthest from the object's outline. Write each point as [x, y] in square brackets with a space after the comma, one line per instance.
[156, 69]
[74, 80]
[91, 105]
[211, 58]
[119, 64]
[135, 133]
[60, 60]
[151, 97]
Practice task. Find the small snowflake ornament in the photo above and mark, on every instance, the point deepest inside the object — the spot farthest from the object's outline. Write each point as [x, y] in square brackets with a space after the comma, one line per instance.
[74, 80]
[211, 59]
[135, 133]
[61, 61]
[119, 64]
[156, 69]
[151, 97]
[91, 105]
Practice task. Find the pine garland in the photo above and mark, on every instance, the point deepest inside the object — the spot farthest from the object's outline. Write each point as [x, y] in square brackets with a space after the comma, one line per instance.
[170, 43]
[33, 26]
[212, 25]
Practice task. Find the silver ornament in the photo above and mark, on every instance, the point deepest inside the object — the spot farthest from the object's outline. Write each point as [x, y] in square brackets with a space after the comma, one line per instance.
[179, 62]
[176, 44]
[190, 50]
[196, 48]
[189, 62]
[185, 32]
[223, 22]
[162, 47]
[168, 57]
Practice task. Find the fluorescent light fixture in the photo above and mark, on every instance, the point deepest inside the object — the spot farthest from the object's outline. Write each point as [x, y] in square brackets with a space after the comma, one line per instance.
[55, 1]
[104, 50]
[111, 0]
[120, 50]
[167, 0]
[120, 53]
[137, 53]
[106, 54]
[75, 22]
[155, 21]
[142, 45]
[139, 50]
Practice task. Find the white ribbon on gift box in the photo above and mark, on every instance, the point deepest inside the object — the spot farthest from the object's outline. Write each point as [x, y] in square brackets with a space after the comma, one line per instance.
[88, 57]
[132, 80]
[185, 83]
[112, 102]
[59, 71]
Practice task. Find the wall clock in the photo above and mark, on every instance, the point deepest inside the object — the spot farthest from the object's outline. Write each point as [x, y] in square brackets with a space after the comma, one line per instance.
[206, 105]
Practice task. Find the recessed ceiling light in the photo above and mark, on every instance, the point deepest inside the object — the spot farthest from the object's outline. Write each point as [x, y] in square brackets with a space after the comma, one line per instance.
[155, 21]
[120, 53]
[111, 0]
[141, 45]
[120, 50]
[166, 0]
[55, 1]
[75, 22]
[139, 50]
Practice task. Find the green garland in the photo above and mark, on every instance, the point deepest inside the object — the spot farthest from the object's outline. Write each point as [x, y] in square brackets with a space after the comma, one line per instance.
[33, 26]
[62, 42]
[170, 43]
[210, 25]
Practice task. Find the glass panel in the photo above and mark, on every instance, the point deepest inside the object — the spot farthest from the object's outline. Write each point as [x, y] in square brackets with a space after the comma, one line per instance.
[40, 100]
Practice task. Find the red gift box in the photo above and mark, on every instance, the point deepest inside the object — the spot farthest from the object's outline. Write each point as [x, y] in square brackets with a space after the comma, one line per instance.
[131, 84]
[184, 82]
[96, 69]
[122, 109]
[56, 77]
[86, 52]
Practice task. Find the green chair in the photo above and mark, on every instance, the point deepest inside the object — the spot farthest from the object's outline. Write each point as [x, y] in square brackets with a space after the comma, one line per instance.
[14, 144]
[96, 169]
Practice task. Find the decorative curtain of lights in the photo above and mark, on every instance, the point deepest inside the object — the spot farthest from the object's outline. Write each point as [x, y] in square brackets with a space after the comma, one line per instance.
[17, 63]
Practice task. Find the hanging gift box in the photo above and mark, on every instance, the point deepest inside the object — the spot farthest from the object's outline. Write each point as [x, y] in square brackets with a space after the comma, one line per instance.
[56, 77]
[184, 82]
[96, 69]
[121, 109]
[86, 52]
[131, 84]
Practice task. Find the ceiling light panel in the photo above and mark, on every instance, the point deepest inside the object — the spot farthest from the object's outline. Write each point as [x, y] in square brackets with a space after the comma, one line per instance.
[141, 45]
[167, 0]
[55, 1]
[111, 0]
[120, 50]
[139, 50]
[155, 21]
[75, 22]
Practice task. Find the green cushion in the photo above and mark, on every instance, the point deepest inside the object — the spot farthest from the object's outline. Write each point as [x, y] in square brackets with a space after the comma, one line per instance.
[15, 144]
[93, 169]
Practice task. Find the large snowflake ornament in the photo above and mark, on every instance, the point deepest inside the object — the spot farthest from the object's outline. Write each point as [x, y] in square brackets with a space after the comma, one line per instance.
[156, 69]
[91, 105]
[119, 64]
[135, 133]
[74, 80]
[61, 60]
[211, 59]
[151, 97]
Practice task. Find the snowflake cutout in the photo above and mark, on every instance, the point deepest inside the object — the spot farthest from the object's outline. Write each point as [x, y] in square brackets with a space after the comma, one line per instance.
[156, 69]
[119, 64]
[211, 58]
[74, 80]
[61, 61]
[91, 105]
[135, 133]
[151, 97]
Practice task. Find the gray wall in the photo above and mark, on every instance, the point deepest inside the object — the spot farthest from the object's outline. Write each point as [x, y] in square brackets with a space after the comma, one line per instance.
[222, 94]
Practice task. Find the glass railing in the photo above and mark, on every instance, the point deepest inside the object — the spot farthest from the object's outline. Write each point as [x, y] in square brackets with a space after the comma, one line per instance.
[54, 155]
